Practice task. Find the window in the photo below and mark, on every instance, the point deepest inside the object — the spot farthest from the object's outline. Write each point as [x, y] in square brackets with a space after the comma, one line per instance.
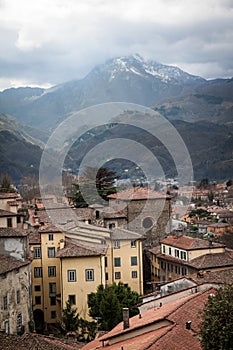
[134, 260]
[90, 275]
[53, 314]
[37, 288]
[134, 274]
[164, 249]
[52, 289]
[38, 300]
[72, 299]
[183, 255]
[133, 244]
[51, 252]
[116, 244]
[50, 237]
[97, 214]
[177, 253]
[105, 261]
[71, 275]
[163, 265]
[52, 300]
[9, 222]
[37, 272]
[117, 262]
[52, 271]
[112, 225]
[106, 276]
[183, 271]
[19, 321]
[170, 251]
[18, 296]
[37, 253]
[18, 219]
[5, 302]
[147, 223]
[117, 275]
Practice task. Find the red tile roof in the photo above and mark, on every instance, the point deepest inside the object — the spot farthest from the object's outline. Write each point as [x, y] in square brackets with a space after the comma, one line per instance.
[8, 263]
[30, 341]
[138, 193]
[213, 260]
[12, 232]
[74, 248]
[173, 336]
[189, 243]
[5, 213]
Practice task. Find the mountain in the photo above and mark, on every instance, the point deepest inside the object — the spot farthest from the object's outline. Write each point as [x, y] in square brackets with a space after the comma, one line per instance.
[20, 153]
[201, 110]
[125, 79]
[212, 101]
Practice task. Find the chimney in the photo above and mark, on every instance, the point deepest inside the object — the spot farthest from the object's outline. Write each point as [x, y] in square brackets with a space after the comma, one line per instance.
[125, 317]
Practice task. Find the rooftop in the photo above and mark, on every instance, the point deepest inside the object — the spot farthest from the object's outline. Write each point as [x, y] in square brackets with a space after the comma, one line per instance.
[30, 341]
[159, 328]
[12, 232]
[8, 263]
[138, 193]
[75, 248]
[5, 213]
[189, 243]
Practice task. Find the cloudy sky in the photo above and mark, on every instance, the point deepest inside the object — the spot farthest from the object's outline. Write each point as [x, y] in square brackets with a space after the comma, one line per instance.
[48, 42]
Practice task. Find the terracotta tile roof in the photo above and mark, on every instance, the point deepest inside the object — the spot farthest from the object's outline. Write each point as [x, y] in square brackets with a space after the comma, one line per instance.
[4, 213]
[173, 336]
[9, 195]
[29, 341]
[213, 260]
[148, 317]
[75, 248]
[49, 228]
[189, 243]
[12, 232]
[138, 193]
[12, 203]
[122, 234]
[34, 237]
[222, 276]
[156, 250]
[8, 263]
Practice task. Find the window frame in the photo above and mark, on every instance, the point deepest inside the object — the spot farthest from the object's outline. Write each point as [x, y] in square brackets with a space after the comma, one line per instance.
[69, 276]
[18, 296]
[134, 274]
[39, 272]
[51, 252]
[134, 261]
[117, 275]
[117, 262]
[50, 269]
[89, 275]
[37, 252]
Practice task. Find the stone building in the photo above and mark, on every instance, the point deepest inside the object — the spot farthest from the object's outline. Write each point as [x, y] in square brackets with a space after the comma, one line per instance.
[15, 295]
[146, 211]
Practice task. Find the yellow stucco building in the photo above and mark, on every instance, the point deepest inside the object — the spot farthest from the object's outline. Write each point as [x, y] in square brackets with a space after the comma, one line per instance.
[71, 261]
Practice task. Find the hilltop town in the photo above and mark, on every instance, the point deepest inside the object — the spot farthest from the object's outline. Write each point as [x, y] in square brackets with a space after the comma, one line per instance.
[53, 252]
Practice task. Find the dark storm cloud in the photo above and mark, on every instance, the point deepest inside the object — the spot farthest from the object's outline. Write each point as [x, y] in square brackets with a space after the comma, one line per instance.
[49, 42]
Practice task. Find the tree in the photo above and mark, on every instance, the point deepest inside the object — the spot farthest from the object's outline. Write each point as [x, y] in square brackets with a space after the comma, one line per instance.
[6, 183]
[107, 304]
[70, 318]
[217, 327]
[102, 180]
[204, 183]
